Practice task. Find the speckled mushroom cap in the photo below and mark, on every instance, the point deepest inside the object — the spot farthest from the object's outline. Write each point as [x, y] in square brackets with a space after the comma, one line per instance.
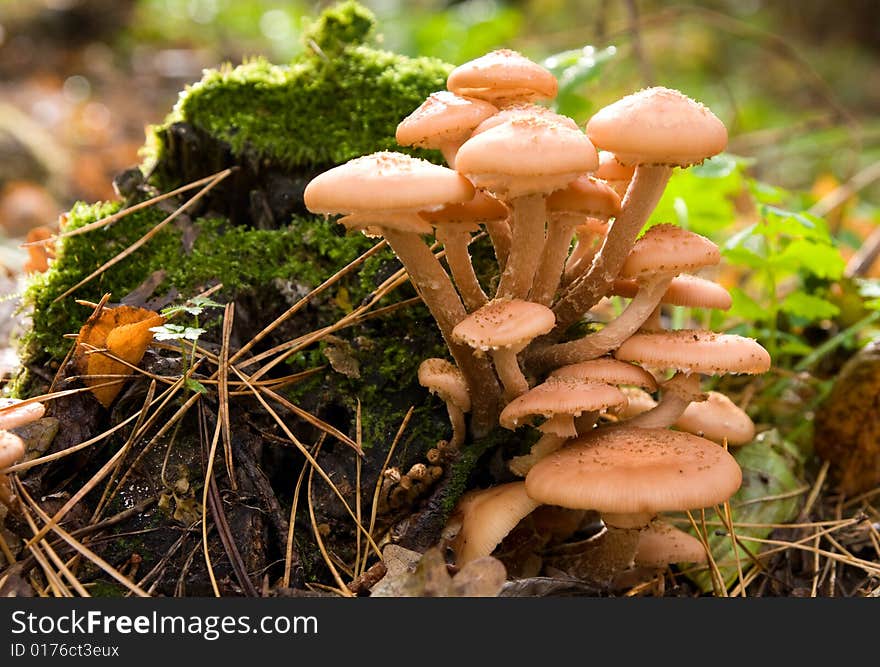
[658, 126]
[717, 418]
[586, 195]
[627, 470]
[526, 155]
[11, 449]
[667, 248]
[504, 323]
[661, 544]
[608, 370]
[524, 110]
[13, 412]
[503, 76]
[385, 181]
[445, 379]
[486, 517]
[695, 351]
[560, 396]
[442, 117]
[684, 290]
[470, 214]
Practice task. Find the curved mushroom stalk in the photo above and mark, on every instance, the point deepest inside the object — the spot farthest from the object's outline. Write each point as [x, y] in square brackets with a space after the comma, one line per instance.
[589, 239]
[457, 256]
[678, 393]
[526, 244]
[509, 372]
[552, 259]
[501, 237]
[645, 190]
[609, 337]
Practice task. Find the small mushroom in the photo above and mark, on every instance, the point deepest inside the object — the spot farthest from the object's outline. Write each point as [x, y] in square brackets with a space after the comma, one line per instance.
[445, 379]
[15, 412]
[684, 290]
[11, 450]
[719, 419]
[560, 400]
[443, 121]
[661, 544]
[504, 327]
[485, 517]
[689, 352]
[503, 77]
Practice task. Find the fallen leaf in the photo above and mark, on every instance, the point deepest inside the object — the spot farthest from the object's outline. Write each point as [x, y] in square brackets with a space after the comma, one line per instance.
[125, 333]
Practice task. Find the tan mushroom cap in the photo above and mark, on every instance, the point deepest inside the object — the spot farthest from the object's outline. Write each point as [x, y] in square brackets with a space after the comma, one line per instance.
[658, 126]
[385, 181]
[504, 323]
[667, 248]
[503, 75]
[524, 110]
[695, 351]
[526, 155]
[638, 401]
[717, 418]
[13, 412]
[442, 117]
[684, 290]
[486, 517]
[610, 168]
[560, 396]
[628, 470]
[612, 371]
[11, 449]
[661, 544]
[586, 195]
[444, 378]
[482, 208]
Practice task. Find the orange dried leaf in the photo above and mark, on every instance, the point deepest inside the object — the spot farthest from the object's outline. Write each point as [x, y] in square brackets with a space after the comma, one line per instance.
[124, 333]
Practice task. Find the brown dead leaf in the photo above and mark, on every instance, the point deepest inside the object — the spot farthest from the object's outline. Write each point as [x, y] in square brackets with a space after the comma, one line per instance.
[123, 332]
[39, 255]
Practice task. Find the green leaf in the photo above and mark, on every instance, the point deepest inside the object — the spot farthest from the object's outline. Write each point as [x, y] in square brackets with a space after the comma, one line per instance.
[808, 306]
[574, 69]
[823, 261]
[707, 190]
[746, 308]
[770, 467]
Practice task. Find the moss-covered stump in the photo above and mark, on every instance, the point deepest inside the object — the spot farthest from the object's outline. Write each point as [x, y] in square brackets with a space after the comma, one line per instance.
[276, 126]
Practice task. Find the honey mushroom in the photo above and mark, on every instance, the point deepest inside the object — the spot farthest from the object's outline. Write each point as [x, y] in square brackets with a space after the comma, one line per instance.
[684, 290]
[654, 130]
[690, 353]
[445, 379]
[381, 194]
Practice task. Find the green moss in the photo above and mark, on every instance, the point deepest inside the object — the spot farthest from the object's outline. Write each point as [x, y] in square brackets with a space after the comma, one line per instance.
[306, 252]
[334, 103]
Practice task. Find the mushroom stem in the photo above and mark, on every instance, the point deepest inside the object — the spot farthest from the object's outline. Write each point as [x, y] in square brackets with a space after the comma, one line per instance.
[653, 321]
[645, 190]
[439, 295]
[552, 259]
[456, 417]
[678, 393]
[507, 366]
[547, 444]
[527, 241]
[499, 232]
[612, 335]
[6, 496]
[580, 258]
[449, 150]
[456, 244]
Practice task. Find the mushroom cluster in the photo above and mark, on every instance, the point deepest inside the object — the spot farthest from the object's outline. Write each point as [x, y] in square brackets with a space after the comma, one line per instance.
[564, 208]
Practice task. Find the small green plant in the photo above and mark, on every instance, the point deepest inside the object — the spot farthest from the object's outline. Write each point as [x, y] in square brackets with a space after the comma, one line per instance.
[187, 336]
